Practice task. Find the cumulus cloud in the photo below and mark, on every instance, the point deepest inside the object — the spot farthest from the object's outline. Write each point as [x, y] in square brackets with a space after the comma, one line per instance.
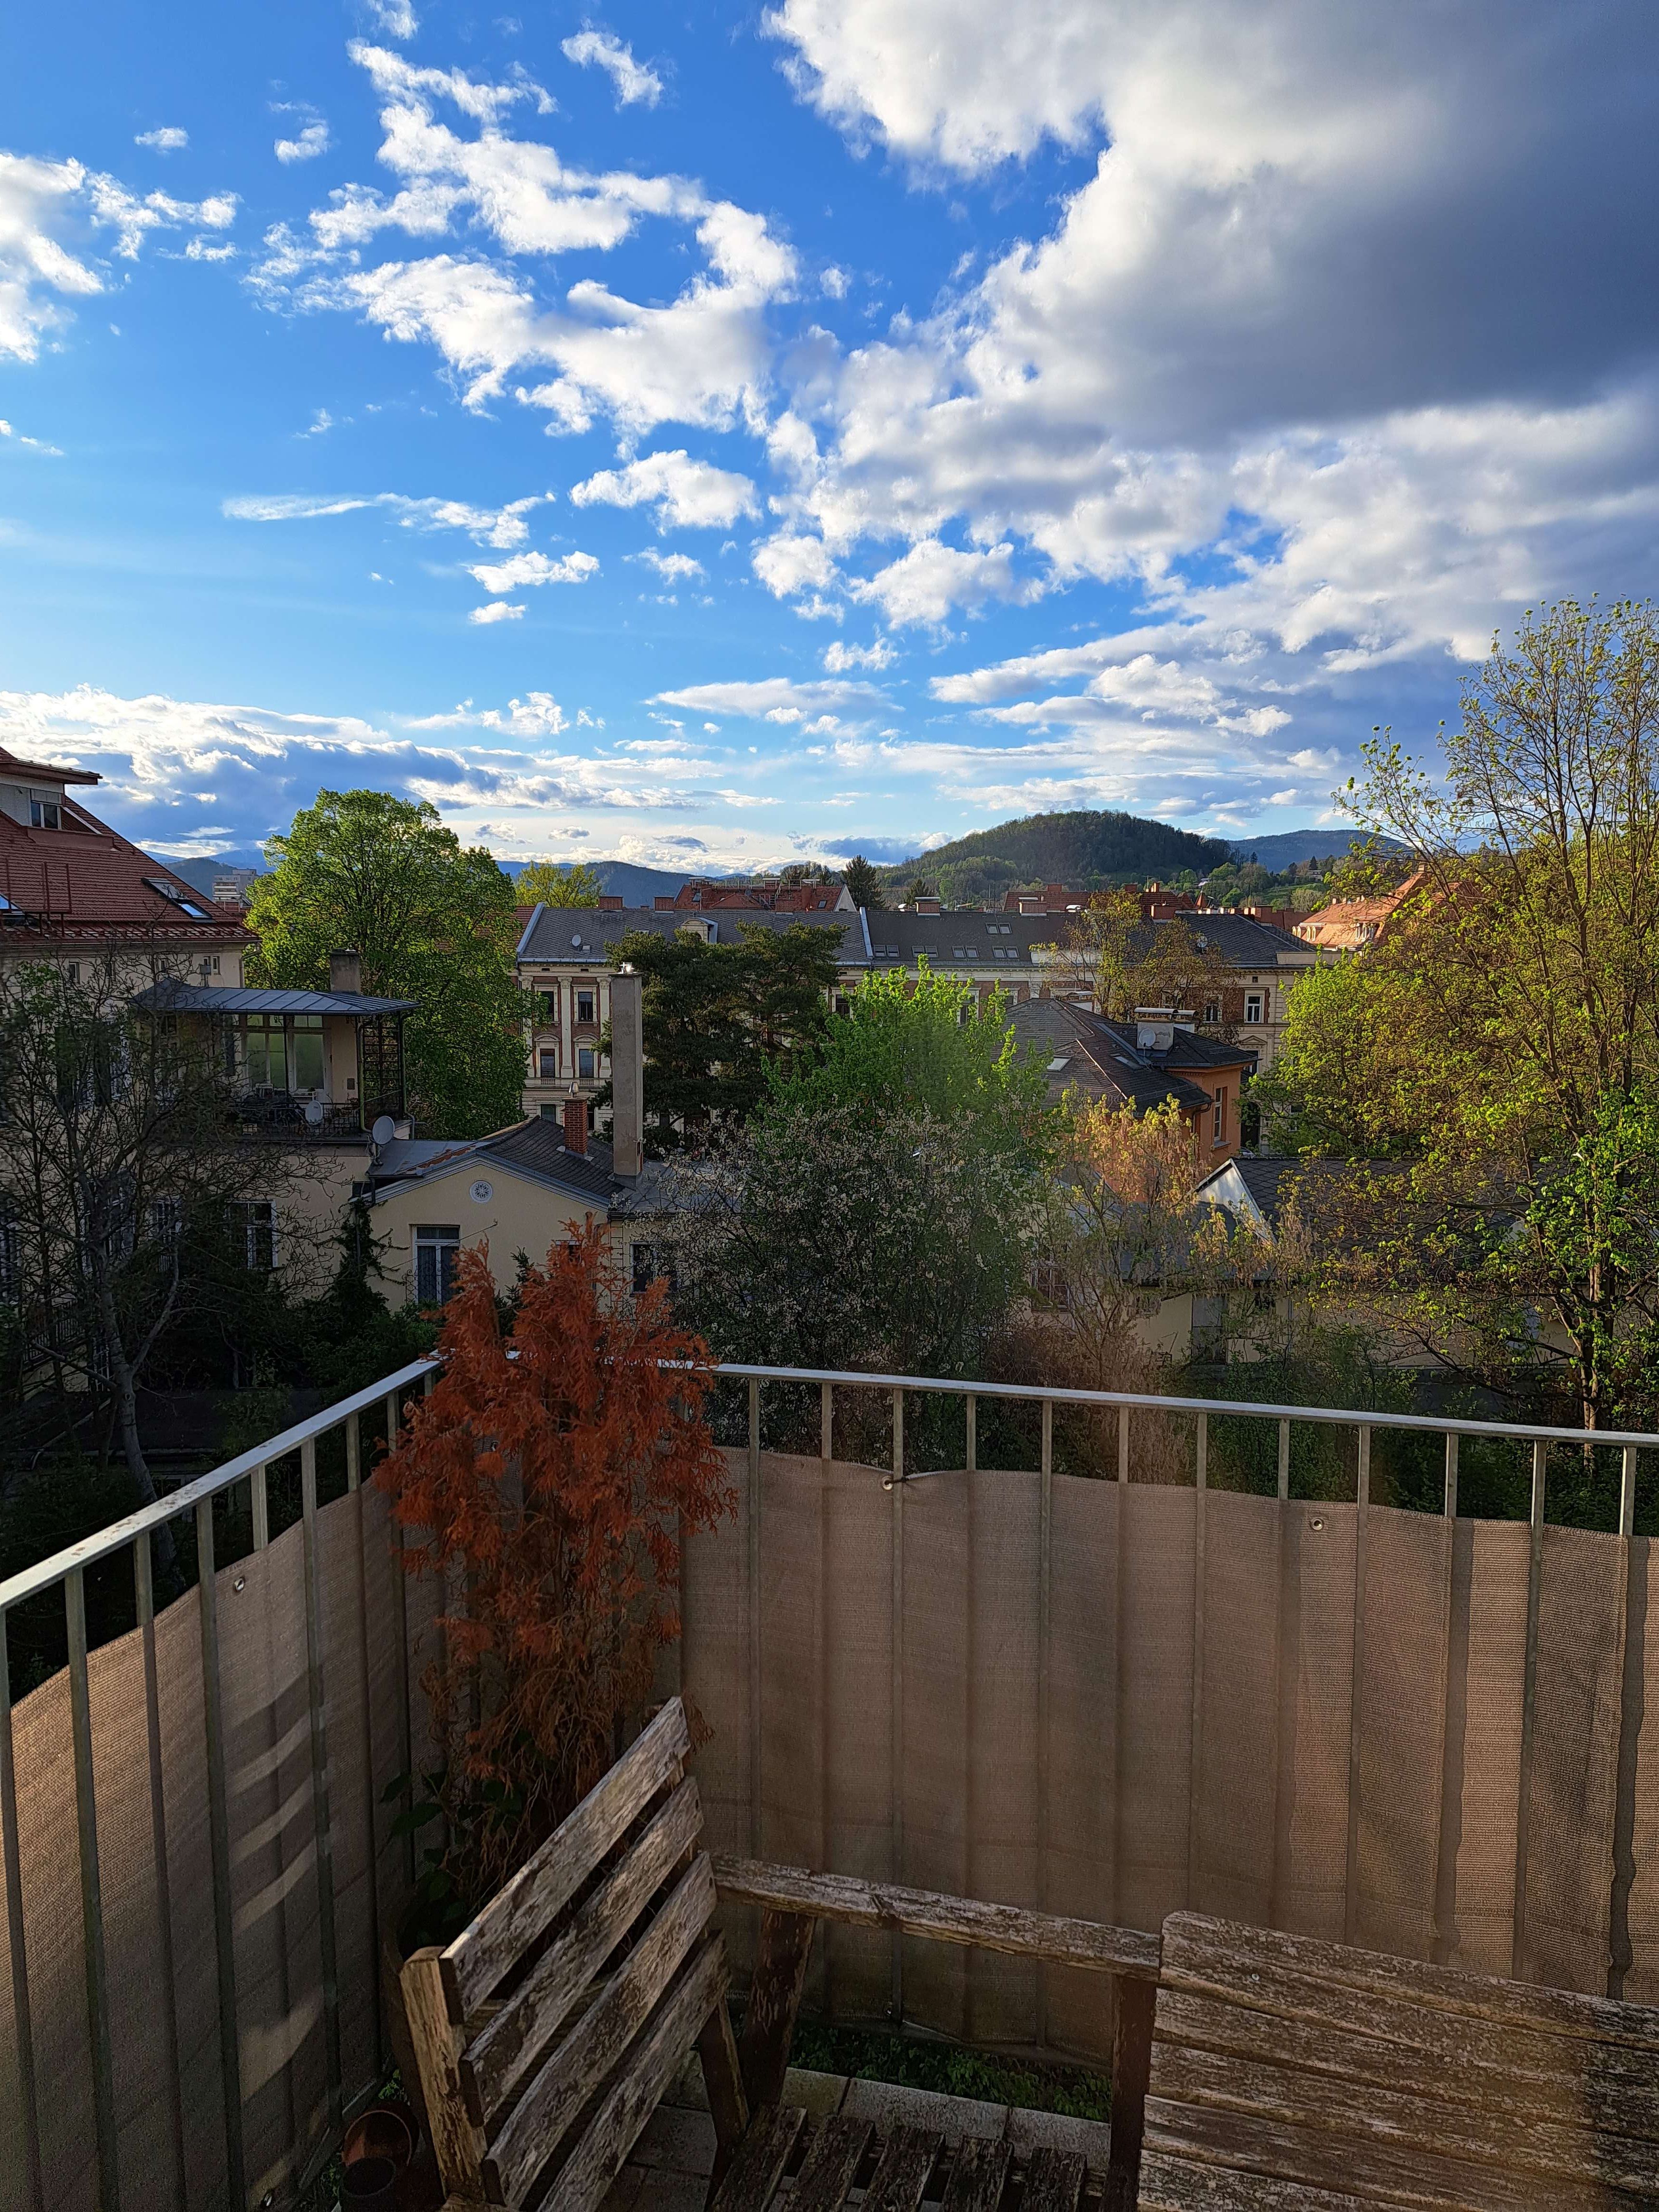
[395, 18]
[498, 610]
[673, 568]
[312, 141]
[687, 495]
[925, 584]
[792, 561]
[500, 526]
[47, 206]
[839, 658]
[773, 699]
[167, 138]
[603, 50]
[531, 569]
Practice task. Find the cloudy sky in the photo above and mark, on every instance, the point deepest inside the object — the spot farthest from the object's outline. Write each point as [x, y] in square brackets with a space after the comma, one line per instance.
[712, 435]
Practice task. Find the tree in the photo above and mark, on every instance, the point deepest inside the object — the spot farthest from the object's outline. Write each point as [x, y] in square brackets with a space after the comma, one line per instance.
[1121, 962]
[432, 922]
[718, 1020]
[930, 1045]
[862, 881]
[131, 1208]
[919, 888]
[548, 1476]
[816, 1238]
[1498, 1049]
[556, 883]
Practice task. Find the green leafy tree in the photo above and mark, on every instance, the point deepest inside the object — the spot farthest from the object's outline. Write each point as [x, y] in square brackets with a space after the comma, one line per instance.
[862, 881]
[558, 883]
[1110, 955]
[931, 1046]
[719, 1019]
[434, 922]
[1494, 1058]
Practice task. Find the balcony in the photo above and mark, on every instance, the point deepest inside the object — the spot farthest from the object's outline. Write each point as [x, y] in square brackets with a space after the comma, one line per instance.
[1106, 1656]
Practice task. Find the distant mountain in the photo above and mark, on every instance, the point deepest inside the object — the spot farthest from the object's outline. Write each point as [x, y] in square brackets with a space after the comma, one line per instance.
[1285, 849]
[1069, 848]
[621, 879]
[199, 874]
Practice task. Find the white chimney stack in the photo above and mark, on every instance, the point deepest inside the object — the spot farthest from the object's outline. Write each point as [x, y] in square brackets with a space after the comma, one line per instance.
[627, 1074]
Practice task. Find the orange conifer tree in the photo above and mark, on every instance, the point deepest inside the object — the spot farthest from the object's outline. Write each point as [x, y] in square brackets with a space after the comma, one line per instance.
[547, 1479]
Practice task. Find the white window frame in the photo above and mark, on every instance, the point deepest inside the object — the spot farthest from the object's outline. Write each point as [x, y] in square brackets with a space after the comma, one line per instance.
[432, 1240]
[1256, 1006]
[1218, 1118]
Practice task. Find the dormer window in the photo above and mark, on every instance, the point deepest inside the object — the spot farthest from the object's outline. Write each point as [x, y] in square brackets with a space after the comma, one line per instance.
[174, 896]
[45, 814]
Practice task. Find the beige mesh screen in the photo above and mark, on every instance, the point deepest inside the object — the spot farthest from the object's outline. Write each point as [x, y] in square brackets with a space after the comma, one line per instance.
[1194, 1657]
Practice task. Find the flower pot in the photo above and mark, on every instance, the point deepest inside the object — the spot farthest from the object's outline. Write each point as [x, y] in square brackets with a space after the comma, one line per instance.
[382, 2131]
[369, 2185]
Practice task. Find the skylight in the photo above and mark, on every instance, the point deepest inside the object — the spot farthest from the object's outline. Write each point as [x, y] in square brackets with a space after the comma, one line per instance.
[174, 896]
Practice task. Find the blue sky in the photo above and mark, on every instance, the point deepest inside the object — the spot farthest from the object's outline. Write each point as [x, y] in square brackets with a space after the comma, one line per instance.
[710, 437]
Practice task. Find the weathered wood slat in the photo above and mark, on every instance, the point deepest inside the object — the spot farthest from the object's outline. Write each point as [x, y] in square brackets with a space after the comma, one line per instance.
[762, 2156]
[513, 1920]
[1182, 2185]
[769, 2025]
[728, 2106]
[1199, 1950]
[925, 1913]
[497, 2054]
[831, 2165]
[598, 2040]
[587, 2173]
[903, 2171]
[1507, 2140]
[1385, 2173]
[1132, 2056]
[456, 2143]
[979, 2173]
[1054, 2181]
[1492, 2070]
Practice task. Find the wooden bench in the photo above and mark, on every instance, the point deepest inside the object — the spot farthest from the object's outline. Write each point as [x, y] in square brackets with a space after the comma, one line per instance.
[1290, 2073]
[546, 2034]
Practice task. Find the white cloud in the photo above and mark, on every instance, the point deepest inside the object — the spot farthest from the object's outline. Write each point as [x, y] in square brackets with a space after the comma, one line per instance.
[673, 568]
[773, 699]
[687, 495]
[44, 203]
[531, 569]
[926, 583]
[312, 141]
[168, 138]
[37, 444]
[602, 49]
[793, 563]
[395, 18]
[839, 658]
[498, 610]
[500, 526]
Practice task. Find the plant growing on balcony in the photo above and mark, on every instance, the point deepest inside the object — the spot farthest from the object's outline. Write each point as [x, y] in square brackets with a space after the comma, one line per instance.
[547, 1480]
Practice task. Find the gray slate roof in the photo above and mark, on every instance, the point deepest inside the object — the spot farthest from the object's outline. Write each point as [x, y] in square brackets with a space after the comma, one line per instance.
[585, 935]
[1083, 1049]
[200, 998]
[534, 1148]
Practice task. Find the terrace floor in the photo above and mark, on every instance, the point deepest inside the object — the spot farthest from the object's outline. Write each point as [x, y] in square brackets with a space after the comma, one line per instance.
[671, 2162]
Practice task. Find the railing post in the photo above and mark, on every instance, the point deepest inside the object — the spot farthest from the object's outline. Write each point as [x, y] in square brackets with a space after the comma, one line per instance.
[92, 1900]
[1195, 1748]
[230, 2061]
[143, 1583]
[826, 1421]
[1357, 1680]
[1123, 1444]
[259, 1500]
[1451, 1474]
[1633, 1712]
[1518, 1959]
[1284, 1460]
[897, 1654]
[1627, 1492]
[1045, 1583]
[16, 1942]
[970, 1456]
[354, 1458]
[322, 1828]
[354, 1451]
[755, 1686]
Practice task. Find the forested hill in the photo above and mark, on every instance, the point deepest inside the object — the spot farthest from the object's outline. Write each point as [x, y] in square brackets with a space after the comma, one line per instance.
[1071, 849]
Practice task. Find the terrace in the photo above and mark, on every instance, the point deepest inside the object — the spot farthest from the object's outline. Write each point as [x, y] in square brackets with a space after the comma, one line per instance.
[1098, 1657]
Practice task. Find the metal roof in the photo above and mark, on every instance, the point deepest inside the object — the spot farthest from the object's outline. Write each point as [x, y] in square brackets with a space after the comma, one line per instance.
[202, 998]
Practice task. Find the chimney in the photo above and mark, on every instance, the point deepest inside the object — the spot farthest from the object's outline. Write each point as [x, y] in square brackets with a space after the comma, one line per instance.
[627, 1073]
[666, 905]
[927, 906]
[609, 904]
[575, 1125]
[345, 971]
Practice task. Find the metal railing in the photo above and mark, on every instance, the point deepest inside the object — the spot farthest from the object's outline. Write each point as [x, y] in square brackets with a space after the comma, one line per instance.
[137, 1533]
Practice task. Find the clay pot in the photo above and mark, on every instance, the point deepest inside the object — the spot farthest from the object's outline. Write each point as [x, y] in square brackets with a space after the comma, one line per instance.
[369, 2185]
[381, 2132]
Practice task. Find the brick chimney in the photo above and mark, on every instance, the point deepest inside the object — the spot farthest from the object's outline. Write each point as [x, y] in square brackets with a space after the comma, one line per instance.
[575, 1125]
[345, 971]
[609, 904]
[627, 1073]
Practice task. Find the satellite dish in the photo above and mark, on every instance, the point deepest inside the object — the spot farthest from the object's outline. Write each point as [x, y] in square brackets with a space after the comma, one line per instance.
[313, 1110]
[385, 1129]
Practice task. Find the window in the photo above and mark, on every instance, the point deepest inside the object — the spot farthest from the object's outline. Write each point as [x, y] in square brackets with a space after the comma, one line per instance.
[175, 896]
[436, 1249]
[1212, 1010]
[650, 1264]
[547, 1061]
[585, 997]
[585, 1060]
[72, 971]
[1254, 1006]
[265, 1053]
[307, 1052]
[547, 1008]
[1220, 1116]
[166, 1223]
[551, 1112]
[45, 814]
[253, 1223]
